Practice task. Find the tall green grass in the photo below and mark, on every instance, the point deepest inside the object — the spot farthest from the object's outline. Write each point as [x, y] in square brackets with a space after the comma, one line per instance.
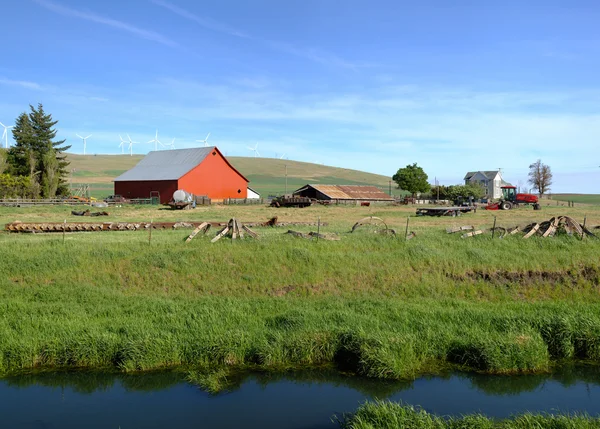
[386, 338]
[388, 415]
[372, 305]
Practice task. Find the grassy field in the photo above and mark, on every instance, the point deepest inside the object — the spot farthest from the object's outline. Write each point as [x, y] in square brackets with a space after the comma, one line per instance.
[266, 175]
[386, 415]
[578, 198]
[370, 304]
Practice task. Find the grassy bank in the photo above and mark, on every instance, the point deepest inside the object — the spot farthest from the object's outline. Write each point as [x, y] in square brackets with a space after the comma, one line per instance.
[387, 415]
[373, 305]
[386, 338]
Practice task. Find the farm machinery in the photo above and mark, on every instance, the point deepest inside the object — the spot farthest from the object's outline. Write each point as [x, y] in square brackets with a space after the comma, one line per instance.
[511, 199]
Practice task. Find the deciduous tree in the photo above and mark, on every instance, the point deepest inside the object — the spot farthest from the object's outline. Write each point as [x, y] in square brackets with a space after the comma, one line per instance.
[540, 176]
[412, 178]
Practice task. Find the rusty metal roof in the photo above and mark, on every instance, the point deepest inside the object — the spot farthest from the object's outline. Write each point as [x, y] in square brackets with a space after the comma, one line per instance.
[350, 192]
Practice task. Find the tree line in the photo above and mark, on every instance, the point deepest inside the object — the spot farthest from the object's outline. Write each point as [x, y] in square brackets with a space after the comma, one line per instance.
[35, 166]
[413, 179]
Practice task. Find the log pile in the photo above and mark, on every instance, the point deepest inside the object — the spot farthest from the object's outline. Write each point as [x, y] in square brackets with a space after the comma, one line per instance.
[235, 230]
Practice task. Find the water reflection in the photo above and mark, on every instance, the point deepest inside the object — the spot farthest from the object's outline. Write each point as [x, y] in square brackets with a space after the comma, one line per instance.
[302, 399]
[86, 382]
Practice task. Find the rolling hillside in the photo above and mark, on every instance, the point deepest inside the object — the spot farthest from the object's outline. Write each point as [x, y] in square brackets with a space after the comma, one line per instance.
[266, 175]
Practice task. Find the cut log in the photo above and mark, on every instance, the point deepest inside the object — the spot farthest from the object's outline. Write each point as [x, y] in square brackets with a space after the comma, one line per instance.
[472, 234]
[204, 226]
[250, 232]
[221, 234]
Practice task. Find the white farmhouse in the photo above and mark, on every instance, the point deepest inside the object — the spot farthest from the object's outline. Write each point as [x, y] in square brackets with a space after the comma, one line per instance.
[491, 180]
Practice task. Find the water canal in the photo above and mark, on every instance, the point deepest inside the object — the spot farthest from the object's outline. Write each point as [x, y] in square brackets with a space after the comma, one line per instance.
[304, 400]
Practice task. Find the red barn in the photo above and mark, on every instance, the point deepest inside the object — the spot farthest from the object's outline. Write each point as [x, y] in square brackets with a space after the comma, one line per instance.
[199, 171]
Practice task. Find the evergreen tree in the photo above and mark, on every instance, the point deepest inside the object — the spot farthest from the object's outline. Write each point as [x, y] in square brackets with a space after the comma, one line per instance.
[44, 132]
[50, 177]
[3, 162]
[20, 155]
[37, 155]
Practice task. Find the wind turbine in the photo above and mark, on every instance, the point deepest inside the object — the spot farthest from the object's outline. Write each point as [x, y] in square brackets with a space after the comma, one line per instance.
[122, 145]
[205, 141]
[171, 145]
[5, 134]
[131, 143]
[156, 141]
[84, 141]
[255, 150]
[282, 156]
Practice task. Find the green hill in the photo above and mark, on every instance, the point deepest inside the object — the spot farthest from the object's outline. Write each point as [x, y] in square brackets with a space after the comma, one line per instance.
[266, 175]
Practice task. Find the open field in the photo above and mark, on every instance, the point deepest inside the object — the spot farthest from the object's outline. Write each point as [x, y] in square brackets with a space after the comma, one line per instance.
[370, 304]
[578, 198]
[266, 175]
[386, 415]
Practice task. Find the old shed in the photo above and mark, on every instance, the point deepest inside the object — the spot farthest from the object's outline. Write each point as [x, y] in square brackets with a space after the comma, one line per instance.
[200, 171]
[343, 193]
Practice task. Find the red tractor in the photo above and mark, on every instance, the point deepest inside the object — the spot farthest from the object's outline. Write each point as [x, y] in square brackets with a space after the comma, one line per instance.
[511, 199]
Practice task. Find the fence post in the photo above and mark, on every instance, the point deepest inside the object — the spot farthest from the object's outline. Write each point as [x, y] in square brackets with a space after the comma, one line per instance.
[494, 228]
[406, 232]
[318, 228]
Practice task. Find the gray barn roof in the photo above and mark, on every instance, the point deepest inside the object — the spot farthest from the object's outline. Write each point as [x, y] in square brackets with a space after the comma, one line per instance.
[166, 164]
[489, 174]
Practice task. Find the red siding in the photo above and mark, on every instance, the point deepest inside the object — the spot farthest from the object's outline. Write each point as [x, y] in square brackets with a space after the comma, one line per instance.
[142, 189]
[216, 178]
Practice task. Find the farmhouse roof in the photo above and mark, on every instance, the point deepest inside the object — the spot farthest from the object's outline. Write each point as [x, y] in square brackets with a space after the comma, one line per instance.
[169, 164]
[349, 192]
[491, 175]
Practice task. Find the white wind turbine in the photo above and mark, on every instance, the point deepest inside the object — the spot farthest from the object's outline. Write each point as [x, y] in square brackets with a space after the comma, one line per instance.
[5, 134]
[84, 141]
[171, 145]
[131, 143]
[156, 141]
[122, 144]
[282, 156]
[255, 150]
[205, 141]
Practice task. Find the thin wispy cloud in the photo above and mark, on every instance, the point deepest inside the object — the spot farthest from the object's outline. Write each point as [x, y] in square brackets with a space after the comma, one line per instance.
[120, 25]
[204, 22]
[313, 54]
[22, 84]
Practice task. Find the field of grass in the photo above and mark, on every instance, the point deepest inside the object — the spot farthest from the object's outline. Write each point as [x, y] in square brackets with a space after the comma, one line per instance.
[266, 175]
[370, 304]
[387, 415]
[578, 198]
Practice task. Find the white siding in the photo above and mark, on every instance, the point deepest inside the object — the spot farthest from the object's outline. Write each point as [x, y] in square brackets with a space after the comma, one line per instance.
[253, 195]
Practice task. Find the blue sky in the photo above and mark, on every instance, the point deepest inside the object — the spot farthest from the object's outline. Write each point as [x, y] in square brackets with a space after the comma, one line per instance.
[454, 86]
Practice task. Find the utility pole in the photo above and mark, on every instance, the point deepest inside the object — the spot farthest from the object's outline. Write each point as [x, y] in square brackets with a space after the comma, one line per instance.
[390, 188]
[286, 179]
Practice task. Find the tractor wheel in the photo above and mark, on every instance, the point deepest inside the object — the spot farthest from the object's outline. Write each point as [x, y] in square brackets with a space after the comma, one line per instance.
[506, 205]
